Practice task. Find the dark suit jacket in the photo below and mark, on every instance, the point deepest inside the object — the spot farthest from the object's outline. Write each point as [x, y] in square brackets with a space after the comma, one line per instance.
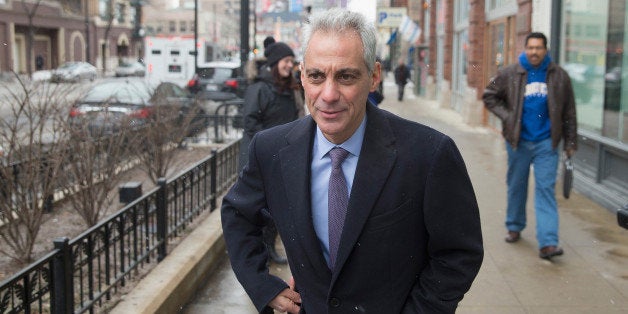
[411, 241]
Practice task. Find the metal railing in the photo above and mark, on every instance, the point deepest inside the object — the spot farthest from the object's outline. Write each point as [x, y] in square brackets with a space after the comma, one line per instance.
[81, 274]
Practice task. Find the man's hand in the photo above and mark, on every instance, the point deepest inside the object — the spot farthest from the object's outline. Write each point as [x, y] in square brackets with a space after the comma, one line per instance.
[287, 300]
[570, 152]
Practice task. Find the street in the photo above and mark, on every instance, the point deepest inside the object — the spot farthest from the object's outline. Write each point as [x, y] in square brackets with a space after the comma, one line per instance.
[591, 277]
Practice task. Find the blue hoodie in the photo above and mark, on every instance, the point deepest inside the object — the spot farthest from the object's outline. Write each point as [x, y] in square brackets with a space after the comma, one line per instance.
[535, 120]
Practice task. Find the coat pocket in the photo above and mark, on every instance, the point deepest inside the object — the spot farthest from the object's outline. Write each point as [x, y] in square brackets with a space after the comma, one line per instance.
[390, 218]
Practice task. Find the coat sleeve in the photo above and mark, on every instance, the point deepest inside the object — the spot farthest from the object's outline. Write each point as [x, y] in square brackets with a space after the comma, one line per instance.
[242, 222]
[455, 244]
[494, 96]
[254, 101]
[570, 123]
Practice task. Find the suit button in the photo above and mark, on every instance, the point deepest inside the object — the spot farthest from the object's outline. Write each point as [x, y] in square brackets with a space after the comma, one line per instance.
[334, 302]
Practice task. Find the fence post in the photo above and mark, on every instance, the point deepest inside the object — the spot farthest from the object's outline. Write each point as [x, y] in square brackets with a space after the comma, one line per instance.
[162, 219]
[63, 294]
[214, 175]
[47, 179]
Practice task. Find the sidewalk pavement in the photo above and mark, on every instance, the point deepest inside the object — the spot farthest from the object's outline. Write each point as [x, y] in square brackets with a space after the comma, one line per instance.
[591, 277]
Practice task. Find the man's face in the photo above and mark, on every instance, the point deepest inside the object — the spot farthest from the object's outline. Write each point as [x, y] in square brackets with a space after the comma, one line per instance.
[336, 83]
[535, 51]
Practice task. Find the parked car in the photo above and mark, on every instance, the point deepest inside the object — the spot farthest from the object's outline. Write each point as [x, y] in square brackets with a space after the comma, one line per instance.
[74, 72]
[133, 68]
[212, 80]
[132, 103]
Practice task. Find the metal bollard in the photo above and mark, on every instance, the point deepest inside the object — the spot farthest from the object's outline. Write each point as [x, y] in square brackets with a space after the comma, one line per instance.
[129, 191]
[622, 217]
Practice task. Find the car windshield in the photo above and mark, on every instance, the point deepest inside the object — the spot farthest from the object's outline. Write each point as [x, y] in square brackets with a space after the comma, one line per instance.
[68, 65]
[217, 74]
[129, 65]
[119, 91]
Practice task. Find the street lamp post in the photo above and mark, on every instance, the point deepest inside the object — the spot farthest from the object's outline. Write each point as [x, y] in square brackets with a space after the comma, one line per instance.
[87, 37]
[195, 36]
[244, 34]
[138, 30]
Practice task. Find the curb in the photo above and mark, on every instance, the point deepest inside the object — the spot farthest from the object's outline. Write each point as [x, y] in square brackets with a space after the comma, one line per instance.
[176, 279]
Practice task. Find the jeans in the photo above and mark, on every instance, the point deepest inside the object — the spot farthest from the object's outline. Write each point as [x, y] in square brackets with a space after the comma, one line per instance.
[400, 88]
[545, 161]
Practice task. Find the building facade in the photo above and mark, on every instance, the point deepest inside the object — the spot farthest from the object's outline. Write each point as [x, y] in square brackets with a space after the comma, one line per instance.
[218, 21]
[41, 35]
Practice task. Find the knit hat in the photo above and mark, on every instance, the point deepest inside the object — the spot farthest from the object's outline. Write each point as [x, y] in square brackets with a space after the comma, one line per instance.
[268, 41]
[276, 52]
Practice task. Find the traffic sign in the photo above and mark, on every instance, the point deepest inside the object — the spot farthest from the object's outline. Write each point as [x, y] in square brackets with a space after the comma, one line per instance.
[390, 17]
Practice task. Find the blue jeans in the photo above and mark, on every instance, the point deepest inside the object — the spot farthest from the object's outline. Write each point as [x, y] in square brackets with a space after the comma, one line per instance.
[545, 161]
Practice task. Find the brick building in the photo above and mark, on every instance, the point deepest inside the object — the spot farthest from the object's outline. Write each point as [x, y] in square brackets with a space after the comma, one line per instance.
[64, 30]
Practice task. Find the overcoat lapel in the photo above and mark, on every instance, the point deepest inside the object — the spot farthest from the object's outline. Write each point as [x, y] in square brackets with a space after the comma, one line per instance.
[377, 158]
[295, 172]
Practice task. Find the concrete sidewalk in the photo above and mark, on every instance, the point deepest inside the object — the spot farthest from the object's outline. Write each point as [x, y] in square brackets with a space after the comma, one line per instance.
[592, 276]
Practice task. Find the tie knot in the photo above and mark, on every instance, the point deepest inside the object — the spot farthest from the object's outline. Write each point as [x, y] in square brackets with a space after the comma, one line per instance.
[337, 155]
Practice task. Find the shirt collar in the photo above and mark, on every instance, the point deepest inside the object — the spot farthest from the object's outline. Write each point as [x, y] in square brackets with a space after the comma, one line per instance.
[353, 144]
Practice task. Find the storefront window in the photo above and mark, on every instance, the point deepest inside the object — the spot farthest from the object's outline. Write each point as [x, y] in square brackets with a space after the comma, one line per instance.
[461, 51]
[103, 9]
[616, 74]
[494, 4]
[593, 55]
[461, 11]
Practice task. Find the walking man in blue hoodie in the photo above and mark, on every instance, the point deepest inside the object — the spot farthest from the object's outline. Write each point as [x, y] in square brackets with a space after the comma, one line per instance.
[535, 102]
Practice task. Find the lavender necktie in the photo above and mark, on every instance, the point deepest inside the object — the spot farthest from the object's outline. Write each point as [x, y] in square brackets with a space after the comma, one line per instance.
[338, 198]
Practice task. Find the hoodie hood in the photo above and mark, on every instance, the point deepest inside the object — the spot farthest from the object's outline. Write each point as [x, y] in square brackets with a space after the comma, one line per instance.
[523, 60]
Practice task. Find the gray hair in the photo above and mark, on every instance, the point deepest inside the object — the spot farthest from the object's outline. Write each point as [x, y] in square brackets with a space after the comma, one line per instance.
[339, 21]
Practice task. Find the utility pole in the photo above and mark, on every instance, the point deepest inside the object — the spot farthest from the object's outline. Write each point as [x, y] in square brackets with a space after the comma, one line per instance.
[87, 37]
[244, 34]
[195, 36]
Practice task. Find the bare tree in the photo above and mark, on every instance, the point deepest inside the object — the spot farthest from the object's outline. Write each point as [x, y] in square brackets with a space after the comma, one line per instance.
[30, 137]
[91, 175]
[172, 124]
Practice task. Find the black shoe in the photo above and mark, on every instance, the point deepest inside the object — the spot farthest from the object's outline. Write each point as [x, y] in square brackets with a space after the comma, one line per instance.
[547, 252]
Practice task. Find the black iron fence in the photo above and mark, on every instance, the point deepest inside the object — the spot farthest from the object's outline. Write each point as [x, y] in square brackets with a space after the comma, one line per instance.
[81, 274]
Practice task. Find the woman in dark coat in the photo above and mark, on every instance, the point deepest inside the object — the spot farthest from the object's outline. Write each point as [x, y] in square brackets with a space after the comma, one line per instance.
[274, 98]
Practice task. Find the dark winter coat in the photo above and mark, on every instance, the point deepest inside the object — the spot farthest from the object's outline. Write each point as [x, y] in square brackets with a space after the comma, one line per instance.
[265, 107]
[402, 74]
[411, 242]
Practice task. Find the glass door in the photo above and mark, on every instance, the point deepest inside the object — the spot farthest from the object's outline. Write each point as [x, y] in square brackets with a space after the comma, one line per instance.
[500, 52]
